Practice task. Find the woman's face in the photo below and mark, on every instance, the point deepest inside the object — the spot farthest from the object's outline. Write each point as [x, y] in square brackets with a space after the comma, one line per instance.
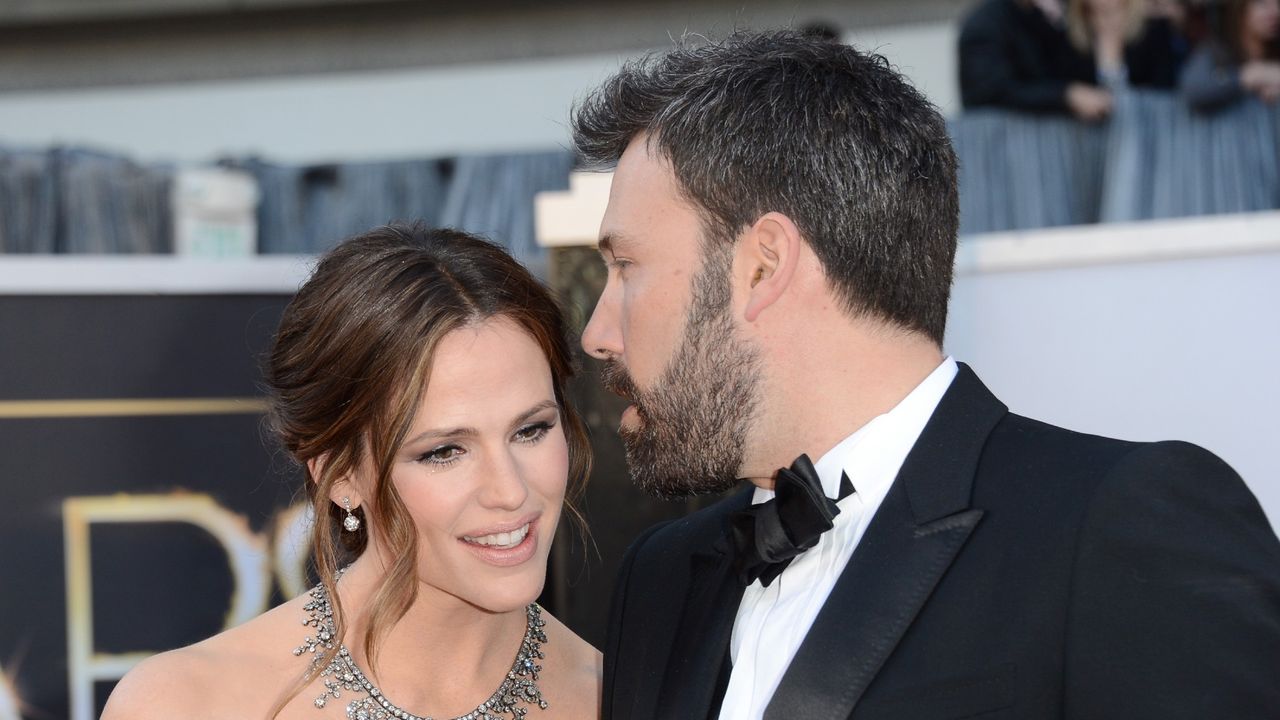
[484, 467]
[1262, 19]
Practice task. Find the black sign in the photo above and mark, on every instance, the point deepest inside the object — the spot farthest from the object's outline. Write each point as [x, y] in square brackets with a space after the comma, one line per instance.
[142, 505]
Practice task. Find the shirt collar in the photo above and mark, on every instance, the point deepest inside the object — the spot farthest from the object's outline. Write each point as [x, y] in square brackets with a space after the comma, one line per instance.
[872, 454]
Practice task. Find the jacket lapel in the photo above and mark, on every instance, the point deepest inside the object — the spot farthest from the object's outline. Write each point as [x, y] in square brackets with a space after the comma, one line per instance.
[703, 633]
[912, 540]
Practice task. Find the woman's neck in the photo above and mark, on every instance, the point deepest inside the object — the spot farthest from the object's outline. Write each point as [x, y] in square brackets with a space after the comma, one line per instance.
[1109, 54]
[1109, 29]
[444, 656]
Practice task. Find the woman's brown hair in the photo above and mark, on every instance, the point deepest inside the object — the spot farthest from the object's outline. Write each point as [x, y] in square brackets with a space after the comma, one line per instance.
[1232, 30]
[351, 361]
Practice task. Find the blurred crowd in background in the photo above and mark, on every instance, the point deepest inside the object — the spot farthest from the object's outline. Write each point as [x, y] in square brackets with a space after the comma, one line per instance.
[1073, 112]
[1072, 56]
[1084, 111]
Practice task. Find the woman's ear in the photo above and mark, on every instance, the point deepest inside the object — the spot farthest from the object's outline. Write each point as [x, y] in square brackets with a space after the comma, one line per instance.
[768, 252]
[343, 491]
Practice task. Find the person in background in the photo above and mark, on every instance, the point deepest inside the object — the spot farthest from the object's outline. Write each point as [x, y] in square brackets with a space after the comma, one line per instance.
[1129, 43]
[1014, 54]
[419, 380]
[1044, 56]
[1241, 56]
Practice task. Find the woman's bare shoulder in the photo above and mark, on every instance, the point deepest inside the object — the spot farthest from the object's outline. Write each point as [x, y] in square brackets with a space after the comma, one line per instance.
[573, 684]
[255, 658]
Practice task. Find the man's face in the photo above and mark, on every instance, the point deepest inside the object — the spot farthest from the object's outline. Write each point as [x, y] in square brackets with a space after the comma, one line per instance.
[665, 328]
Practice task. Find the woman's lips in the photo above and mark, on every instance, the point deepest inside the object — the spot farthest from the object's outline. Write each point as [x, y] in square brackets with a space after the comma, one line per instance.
[505, 549]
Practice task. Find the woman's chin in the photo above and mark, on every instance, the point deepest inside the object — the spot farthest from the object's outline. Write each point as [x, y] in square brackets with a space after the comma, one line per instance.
[504, 592]
[509, 599]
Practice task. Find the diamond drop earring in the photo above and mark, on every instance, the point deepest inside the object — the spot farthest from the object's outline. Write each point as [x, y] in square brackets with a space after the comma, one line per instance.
[350, 523]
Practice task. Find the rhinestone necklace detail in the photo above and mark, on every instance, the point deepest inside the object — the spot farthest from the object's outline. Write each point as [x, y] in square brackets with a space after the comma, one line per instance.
[518, 689]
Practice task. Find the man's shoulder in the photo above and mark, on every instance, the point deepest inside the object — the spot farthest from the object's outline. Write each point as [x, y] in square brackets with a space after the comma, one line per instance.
[1068, 448]
[1088, 468]
[1038, 446]
[1019, 430]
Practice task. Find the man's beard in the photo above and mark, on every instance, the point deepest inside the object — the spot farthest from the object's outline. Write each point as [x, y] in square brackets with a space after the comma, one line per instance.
[693, 423]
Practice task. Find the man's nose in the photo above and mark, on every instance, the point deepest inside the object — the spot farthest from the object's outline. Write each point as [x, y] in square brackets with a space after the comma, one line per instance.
[602, 337]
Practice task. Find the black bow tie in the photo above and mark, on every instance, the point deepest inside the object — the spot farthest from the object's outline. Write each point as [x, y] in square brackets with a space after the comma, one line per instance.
[766, 537]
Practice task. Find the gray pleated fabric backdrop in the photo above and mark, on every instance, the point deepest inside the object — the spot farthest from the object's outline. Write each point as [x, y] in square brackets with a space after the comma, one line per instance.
[79, 201]
[1154, 158]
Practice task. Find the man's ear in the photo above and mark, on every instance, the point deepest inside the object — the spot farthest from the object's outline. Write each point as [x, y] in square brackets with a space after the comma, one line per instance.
[768, 253]
[341, 489]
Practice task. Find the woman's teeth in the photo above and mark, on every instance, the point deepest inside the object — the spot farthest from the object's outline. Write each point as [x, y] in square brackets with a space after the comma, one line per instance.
[503, 540]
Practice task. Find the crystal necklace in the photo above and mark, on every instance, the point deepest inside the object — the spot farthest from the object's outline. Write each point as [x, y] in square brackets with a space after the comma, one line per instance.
[519, 688]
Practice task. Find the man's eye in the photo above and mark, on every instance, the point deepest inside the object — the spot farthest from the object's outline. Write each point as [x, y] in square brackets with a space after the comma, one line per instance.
[445, 455]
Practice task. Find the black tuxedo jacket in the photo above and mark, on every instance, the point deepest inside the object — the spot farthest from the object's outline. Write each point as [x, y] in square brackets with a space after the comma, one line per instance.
[1014, 570]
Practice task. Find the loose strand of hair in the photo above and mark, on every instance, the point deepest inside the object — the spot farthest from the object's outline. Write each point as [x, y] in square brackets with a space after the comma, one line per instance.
[325, 556]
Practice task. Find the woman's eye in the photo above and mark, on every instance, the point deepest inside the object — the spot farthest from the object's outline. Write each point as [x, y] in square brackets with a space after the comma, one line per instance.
[446, 455]
[533, 433]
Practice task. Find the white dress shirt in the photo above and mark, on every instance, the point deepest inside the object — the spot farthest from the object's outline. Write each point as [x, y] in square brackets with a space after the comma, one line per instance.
[772, 621]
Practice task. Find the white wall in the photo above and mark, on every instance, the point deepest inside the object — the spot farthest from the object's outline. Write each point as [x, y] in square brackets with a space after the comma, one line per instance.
[376, 115]
[925, 53]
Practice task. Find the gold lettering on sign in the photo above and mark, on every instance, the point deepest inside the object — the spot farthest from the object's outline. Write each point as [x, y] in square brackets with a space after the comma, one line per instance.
[8, 700]
[291, 548]
[130, 407]
[246, 555]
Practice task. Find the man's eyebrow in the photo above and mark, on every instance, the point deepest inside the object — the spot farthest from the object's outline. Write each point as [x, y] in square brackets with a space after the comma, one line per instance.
[606, 243]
